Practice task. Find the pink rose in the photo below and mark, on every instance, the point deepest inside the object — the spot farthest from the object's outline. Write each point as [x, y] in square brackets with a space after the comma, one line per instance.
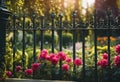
[28, 71]
[9, 73]
[35, 66]
[54, 60]
[65, 67]
[77, 61]
[103, 63]
[43, 54]
[45, 51]
[68, 60]
[117, 60]
[117, 48]
[62, 55]
[105, 56]
[47, 58]
[18, 68]
[52, 55]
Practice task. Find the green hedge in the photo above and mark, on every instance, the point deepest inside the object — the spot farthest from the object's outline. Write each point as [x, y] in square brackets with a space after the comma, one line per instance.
[67, 38]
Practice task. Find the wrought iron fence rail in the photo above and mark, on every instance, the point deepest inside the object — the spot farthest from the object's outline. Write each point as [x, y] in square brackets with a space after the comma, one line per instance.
[57, 29]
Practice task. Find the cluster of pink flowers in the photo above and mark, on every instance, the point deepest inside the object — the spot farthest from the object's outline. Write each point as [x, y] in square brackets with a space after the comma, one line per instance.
[117, 58]
[9, 73]
[104, 61]
[29, 71]
[55, 58]
[34, 67]
[52, 58]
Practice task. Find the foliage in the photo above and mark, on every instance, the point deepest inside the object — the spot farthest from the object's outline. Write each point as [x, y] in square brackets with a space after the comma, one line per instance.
[44, 7]
[67, 38]
[48, 38]
[47, 66]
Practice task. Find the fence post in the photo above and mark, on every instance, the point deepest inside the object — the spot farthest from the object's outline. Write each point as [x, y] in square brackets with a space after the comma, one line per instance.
[34, 37]
[4, 14]
[52, 29]
[42, 32]
[61, 42]
[23, 43]
[14, 43]
[95, 48]
[83, 53]
[53, 16]
[108, 44]
[74, 41]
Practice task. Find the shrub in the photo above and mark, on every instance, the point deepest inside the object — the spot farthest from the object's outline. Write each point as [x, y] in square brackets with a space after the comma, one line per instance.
[48, 38]
[67, 39]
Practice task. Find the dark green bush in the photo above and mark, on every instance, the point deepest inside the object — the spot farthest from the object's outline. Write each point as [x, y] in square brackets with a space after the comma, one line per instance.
[48, 38]
[67, 38]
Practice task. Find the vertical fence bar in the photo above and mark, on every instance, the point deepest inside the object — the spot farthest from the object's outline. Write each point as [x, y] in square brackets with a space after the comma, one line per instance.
[23, 44]
[14, 43]
[42, 35]
[34, 42]
[52, 29]
[108, 44]
[74, 40]
[34, 38]
[52, 16]
[83, 53]
[95, 48]
[108, 36]
[61, 40]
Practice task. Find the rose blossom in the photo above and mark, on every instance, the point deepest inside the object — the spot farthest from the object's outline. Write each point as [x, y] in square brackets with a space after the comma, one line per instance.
[117, 60]
[28, 71]
[117, 48]
[54, 60]
[52, 55]
[47, 58]
[18, 68]
[68, 60]
[62, 55]
[77, 61]
[43, 54]
[103, 63]
[9, 73]
[65, 67]
[35, 66]
[105, 56]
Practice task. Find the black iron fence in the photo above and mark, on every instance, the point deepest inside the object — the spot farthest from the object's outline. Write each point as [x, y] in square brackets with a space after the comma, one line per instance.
[110, 26]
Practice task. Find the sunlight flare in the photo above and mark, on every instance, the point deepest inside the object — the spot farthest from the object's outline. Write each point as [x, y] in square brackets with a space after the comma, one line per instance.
[87, 3]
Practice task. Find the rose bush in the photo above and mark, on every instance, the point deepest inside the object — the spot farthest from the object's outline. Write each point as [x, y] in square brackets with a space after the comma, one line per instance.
[112, 73]
[47, 66]
[51, 65]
